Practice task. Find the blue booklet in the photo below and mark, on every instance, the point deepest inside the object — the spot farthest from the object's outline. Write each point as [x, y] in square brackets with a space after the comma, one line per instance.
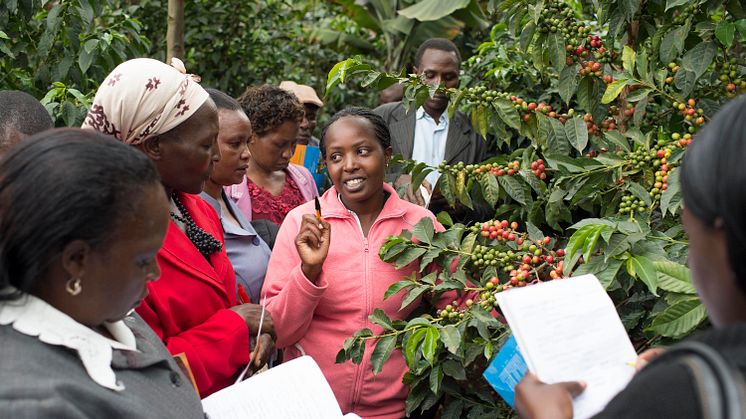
[506, 370]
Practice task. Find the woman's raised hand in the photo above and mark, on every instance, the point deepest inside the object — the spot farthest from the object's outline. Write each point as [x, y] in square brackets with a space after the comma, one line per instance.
[312, 243]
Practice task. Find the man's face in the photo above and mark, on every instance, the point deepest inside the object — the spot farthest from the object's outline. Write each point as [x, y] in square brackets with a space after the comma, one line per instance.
[436, 67]
[305, 130]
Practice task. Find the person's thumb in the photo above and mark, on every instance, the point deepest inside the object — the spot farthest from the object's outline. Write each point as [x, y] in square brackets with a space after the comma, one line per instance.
[573, 387]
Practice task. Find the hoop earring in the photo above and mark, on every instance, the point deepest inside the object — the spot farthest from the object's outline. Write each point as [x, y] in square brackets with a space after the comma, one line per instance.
[73, 287]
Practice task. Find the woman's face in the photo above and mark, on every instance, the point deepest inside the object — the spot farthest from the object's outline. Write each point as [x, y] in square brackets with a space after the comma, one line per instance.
[273, 149]
[186, 154]
[711, 272]
[355, 159]
[115, 276]
[233, 141]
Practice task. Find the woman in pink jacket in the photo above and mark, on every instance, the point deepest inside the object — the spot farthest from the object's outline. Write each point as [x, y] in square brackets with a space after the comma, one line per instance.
[325, 277]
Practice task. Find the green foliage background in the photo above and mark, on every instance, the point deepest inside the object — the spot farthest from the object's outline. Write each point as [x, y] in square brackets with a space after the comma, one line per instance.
[60, 50]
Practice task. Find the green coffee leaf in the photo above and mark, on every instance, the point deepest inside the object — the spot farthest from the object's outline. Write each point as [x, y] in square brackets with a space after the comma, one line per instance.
[725, 32]
[613, 90]
[577, 133]
[643, 268]
[424, 230]
[451, 338]
[430, 344]
[679, 319]
[628, 59]
[380, 318]
[674, 277]
[384, 347]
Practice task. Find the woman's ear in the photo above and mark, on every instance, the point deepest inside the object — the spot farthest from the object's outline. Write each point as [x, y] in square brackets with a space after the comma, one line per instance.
[387, 152]
[76, 257]
[152, 148]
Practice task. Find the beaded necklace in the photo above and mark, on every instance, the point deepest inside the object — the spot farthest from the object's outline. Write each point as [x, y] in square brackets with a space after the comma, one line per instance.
[204, 241]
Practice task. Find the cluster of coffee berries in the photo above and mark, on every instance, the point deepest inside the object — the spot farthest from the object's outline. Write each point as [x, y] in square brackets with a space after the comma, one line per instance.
[629, 111]
[630, 205]
[682, 140]
[454, 169]
[608, 124]
[595, 42]
[557, 16]
[484, 256]
[730, 78]
[592, 127]
[690, 113]
[536, 262]
[661, 177]
[673, 68]
[586, 47]
[501, 230]
[685, 13]
[530, 107]
[591, 68]
[641, 157]
[537, 168]
[495, 169]
[481, 95]
[453, 312]
[517, 259]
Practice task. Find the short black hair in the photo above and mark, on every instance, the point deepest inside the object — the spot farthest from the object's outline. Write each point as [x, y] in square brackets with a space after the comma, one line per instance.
[441, 44]
[268, 107]
[713, 182]
[383, 135]
[63, 185]
[21, 112]
[223, 101]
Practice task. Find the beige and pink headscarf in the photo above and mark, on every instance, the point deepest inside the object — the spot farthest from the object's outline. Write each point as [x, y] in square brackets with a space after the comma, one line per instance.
[143, 98]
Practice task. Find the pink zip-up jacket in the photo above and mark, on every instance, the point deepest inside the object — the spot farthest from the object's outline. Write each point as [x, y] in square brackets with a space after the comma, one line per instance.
[316, 319]
[239, 192]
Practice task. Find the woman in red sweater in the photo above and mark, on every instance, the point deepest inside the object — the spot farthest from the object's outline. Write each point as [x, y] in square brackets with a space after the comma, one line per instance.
[193, 307]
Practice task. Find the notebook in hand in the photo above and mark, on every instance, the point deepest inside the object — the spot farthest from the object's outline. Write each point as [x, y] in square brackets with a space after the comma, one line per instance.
[295, 389]
[569, 330]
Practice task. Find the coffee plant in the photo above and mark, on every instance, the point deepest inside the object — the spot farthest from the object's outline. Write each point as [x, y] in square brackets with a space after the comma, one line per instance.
[590, 106]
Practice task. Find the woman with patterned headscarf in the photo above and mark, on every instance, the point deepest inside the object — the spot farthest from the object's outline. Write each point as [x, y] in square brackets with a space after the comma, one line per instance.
[167, 115]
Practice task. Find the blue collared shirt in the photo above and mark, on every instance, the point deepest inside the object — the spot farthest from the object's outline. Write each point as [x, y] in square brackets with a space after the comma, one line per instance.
[430, 141]
[248, 253]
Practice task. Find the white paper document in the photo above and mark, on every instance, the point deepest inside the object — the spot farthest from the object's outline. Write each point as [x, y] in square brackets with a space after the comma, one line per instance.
[569, 330]
[295, 389]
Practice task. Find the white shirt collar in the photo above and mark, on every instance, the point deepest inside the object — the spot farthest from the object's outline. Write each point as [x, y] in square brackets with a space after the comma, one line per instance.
[422, 114]
[34, 317]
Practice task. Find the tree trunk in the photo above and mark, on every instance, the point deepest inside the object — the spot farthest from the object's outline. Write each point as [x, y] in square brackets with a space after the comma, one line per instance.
[175, 32]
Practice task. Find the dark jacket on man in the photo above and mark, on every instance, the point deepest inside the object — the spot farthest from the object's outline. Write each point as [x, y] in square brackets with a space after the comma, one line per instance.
[463, 144]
